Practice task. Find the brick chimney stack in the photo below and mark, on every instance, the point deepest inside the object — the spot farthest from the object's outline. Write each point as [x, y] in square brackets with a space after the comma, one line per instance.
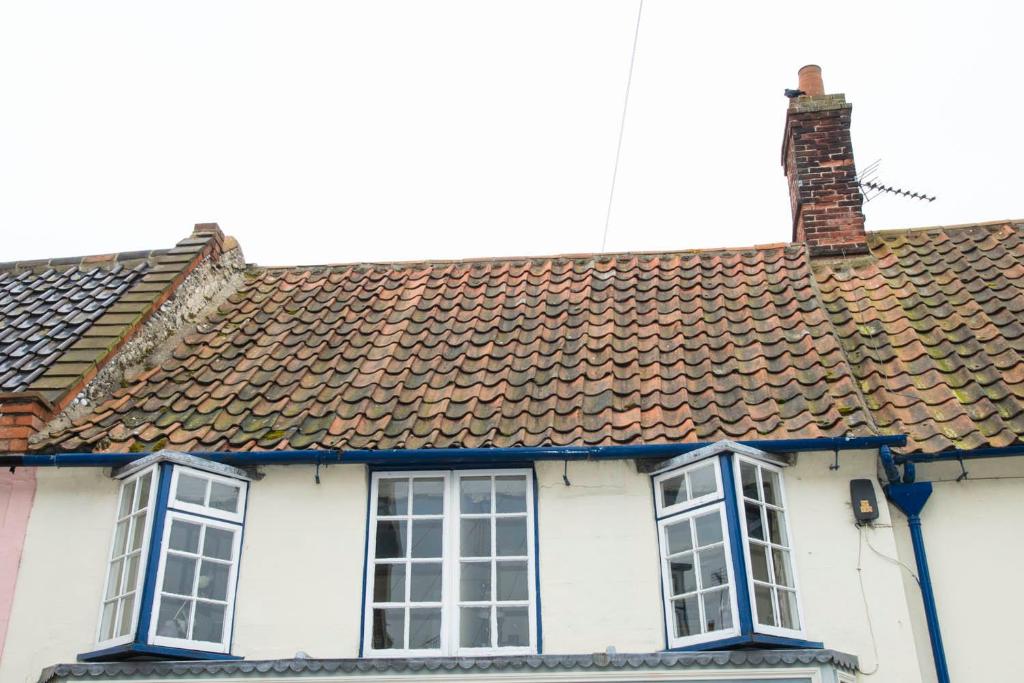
[817, 157]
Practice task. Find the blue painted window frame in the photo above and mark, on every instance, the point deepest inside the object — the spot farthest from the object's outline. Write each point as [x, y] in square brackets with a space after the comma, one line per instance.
[748, 632]
[371, 471]
[141, 642]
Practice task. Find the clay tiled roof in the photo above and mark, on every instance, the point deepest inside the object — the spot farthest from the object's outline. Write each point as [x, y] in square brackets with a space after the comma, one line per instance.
[45, 308]
[933, 326]
[516, 352]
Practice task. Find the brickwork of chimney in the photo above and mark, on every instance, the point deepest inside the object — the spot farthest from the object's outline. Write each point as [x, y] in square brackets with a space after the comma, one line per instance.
[22, 414]
[817, 155]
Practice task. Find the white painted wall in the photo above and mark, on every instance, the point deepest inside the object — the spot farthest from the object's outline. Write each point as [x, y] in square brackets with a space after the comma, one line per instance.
[301, 574]
[972, 534]
[599, 571]
[300, 581]
[63, 566]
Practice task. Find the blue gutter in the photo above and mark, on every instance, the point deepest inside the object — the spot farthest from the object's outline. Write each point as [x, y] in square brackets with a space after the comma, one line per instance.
[428, 456]
[955, 456]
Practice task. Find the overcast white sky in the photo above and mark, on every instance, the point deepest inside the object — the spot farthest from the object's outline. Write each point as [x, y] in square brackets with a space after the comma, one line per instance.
[337, 131]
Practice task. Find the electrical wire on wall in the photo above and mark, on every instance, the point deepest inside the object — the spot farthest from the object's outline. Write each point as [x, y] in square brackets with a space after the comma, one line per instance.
[862, 540]
[864, 597]
[622, 125]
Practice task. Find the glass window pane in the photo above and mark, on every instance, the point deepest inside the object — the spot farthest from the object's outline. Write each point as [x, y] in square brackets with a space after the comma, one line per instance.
[173, 617]
[476, 537]
[138, 530]
[789, 616]
[132, 572]
[510, 536]
[772, 487]
[475, 494]
[391, 538]
[678, 537]
[427, 499]
[709, 528]
[389, 629]
[673, 490]
[114, 579]
[777, 527]
[218, 543]
[127, 610]
[475, 627]
[748, 477]
[224, 497]
[510, 492]
[687, 616]
[754, 527]
[213, 580]
[684, 576]
[475, 581]
[512, 581]
[702, 480]
[426, 537]
[717, 610]
[191, 489]
[389, 583]
[426, 582]
[392, 496]
[763, 601]
[759, 561]
[209, 624]
[179, 574]
[107, 623]
[121, 537]
[783, 569]
[184, 536]
[513, 627]
[713, 571]
[127, 499]
[424, 628]
[144, 486]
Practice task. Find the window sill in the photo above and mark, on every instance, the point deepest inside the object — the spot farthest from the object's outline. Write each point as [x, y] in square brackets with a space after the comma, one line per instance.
[141, 651]
[750, 641]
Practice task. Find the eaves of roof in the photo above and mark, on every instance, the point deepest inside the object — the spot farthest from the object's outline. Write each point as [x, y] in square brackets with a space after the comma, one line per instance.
[468, 666]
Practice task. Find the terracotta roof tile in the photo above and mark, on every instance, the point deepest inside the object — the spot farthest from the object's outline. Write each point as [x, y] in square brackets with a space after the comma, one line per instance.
[610, 349]
[933, 326]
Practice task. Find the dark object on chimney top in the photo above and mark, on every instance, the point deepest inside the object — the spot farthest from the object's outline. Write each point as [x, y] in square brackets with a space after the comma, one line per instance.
[790, 93]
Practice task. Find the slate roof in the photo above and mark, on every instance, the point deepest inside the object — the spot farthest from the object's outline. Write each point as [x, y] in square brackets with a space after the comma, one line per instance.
[469, 666]
[62, 319]
[613, 349]
[45, 307]
[933, 326]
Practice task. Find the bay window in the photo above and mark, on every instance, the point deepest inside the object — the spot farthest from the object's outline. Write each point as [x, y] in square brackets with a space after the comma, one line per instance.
[451, 564]
[728, 575]
[174, 557]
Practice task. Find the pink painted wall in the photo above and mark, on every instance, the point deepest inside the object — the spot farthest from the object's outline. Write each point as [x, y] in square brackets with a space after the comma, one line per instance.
[16, 493]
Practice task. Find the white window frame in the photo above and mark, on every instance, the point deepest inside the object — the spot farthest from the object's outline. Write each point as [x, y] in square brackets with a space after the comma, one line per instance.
[666, 578]
[741, 512]
[140, 578]
[229, 610]
[206, 510]
[719, 492]
[451, 566]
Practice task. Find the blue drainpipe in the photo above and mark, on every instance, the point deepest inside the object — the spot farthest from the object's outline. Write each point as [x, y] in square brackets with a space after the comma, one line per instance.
[910, 496]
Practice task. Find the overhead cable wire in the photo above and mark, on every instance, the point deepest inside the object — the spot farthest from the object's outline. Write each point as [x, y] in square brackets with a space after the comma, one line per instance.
[622, 124]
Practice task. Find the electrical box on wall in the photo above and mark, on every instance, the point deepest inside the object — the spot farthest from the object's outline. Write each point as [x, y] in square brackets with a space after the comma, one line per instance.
[862, 497]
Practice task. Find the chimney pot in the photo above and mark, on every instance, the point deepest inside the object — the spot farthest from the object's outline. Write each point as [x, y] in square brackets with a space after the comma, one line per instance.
[810, 80]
